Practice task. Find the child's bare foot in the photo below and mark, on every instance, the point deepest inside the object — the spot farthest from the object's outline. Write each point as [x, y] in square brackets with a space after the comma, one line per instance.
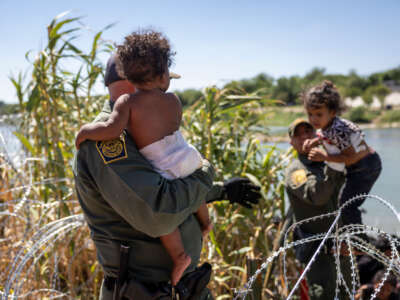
[180, 264]
[205, 230]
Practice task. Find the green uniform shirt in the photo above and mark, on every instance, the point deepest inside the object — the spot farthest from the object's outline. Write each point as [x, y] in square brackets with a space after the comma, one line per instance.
[125, 200]
[313, 190]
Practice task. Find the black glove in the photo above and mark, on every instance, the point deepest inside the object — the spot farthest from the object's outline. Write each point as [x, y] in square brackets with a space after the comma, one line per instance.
[242, 191]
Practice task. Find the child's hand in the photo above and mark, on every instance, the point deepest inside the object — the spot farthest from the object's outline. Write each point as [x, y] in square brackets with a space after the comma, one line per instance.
[310, 143]
[306, 145]
[317, 154]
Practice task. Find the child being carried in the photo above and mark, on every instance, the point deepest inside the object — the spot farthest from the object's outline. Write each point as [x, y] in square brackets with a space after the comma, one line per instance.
[344, 147]
[152, 117]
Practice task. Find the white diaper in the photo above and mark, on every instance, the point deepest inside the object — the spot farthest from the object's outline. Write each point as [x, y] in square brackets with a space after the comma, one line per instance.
[172, 156]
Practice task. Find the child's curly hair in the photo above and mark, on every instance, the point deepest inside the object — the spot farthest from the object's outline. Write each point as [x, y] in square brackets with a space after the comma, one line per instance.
[144, 56]
[325, 93]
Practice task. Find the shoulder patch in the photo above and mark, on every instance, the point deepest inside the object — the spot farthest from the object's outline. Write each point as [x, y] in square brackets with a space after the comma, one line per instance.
[298, 177]
[112, 150]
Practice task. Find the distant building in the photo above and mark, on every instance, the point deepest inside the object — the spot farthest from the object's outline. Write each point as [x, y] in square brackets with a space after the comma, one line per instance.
[356, 102]
[392, 99]
[375, 103]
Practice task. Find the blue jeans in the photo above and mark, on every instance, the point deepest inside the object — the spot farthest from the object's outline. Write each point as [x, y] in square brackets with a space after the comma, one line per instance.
[360, 178]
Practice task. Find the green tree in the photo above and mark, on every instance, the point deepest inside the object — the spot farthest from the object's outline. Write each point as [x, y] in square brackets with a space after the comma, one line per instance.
[375, 79]
[356, 85]
[393, 74]
[260, 82]
[316, 75]
[379, 91]
[189, 96]
[288, 89]
[338, 79]
[6, 108]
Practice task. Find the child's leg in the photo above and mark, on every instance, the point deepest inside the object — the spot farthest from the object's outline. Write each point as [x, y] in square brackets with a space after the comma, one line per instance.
[173, 244]
[204, 219]
[359, 180]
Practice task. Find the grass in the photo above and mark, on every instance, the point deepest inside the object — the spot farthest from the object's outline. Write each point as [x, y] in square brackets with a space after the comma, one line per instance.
[281, 116]
[361, 115]
[390, 116]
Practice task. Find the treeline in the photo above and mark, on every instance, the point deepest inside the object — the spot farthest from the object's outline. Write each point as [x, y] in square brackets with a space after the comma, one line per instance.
[288, 89]
[6, 109]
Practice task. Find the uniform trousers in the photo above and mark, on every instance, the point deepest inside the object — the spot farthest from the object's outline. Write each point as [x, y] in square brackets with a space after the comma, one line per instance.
[360, 178]
[321, 278]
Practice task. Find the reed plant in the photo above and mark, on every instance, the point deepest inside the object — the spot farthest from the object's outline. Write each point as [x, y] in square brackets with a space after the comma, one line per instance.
[48, 251]
[223, 126]
[45, 245]
[55, 100]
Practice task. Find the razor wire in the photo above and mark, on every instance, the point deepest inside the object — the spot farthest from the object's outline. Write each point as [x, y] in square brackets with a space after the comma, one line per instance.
[37, 239]
[347, 234]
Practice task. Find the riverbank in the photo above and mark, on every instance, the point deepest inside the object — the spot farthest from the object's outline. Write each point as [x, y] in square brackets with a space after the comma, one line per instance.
[10, 118]
[282, 137]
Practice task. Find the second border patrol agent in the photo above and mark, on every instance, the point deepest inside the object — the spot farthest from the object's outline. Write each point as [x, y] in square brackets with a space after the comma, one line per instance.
[313, 189]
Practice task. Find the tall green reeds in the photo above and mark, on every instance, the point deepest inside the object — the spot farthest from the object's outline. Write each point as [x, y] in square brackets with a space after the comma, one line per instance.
[223, 126]
[54, 101]
[57, 99]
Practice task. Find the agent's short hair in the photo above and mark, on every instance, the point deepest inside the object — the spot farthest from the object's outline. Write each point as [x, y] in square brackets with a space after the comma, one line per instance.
[324, 94]
[144, 56]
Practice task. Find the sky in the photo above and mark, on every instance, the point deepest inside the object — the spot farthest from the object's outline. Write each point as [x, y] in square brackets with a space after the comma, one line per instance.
[218, 41]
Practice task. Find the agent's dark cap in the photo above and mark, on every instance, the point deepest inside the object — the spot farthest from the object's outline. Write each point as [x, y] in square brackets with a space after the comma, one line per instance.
[294, 124]
[111, 74]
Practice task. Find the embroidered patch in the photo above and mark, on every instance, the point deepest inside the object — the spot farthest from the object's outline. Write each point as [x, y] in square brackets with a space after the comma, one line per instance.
[113, 150]
[299, 177]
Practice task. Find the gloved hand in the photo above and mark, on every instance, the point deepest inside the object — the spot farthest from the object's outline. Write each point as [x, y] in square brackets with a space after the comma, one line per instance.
[242, 191]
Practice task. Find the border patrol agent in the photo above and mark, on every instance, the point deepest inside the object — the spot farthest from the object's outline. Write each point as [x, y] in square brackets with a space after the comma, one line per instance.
[313, 189]
[128, 205]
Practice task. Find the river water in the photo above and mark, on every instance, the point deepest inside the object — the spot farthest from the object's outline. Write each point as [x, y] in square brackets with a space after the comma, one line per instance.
[10, 143]
[385, 141]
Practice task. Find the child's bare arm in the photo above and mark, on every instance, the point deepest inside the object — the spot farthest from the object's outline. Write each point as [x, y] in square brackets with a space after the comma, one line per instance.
[110, 129]
[311, 143]
[348, 156]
